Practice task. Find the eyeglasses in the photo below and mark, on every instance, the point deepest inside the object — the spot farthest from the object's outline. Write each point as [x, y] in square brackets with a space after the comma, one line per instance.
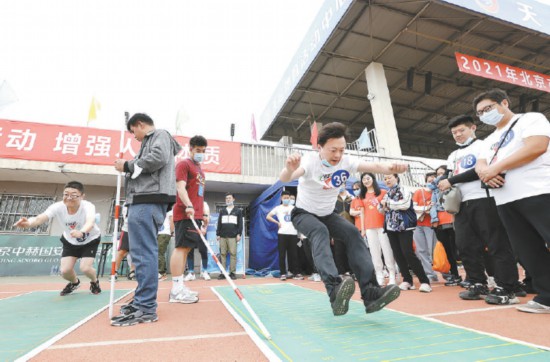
[71, 196]
[486, 109]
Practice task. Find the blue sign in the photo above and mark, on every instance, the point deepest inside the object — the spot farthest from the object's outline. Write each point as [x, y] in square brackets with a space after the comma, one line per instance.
[339, 178]
[324, 24]
[531, 14]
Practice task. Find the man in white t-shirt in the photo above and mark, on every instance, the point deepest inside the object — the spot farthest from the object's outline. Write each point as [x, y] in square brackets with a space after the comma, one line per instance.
[320, 177]
[477, 224]
[515, 163]
[80, 236]
[287, 237]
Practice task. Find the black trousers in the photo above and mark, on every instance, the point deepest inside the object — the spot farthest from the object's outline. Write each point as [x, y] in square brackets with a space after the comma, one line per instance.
[288, 248]
[319, 229]
[477, 226]
[402, 246]
[340, 257]
[447, 238]
[527, 222]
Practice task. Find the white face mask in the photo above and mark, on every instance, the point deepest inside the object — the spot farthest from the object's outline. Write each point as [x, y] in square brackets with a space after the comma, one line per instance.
[468, 141]
[492, 118]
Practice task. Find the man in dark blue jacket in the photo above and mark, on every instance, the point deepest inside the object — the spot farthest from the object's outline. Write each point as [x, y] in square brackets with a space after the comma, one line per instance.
[229, 232]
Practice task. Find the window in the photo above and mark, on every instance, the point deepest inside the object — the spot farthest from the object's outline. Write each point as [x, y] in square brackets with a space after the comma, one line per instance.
[111, 223]
[13, 207]
[246, 214]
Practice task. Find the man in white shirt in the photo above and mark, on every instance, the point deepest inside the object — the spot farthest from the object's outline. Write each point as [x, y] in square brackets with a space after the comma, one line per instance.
[320, 177]
[80, 236]
[515, 164]
[477, 224]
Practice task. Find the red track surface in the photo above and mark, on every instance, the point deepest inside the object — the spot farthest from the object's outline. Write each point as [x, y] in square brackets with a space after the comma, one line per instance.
[206, 331]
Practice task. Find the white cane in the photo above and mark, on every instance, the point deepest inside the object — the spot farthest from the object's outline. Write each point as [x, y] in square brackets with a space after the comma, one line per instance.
[235, 289]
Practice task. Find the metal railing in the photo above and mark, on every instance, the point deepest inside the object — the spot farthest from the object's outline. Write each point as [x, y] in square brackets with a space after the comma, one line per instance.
[13, 207]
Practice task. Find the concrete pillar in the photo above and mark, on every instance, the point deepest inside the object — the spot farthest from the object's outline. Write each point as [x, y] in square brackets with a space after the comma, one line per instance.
[382, 111]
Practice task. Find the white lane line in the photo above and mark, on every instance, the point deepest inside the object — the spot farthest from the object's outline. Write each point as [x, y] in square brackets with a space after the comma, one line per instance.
[465, 311]
[57, 337]
[147, 340]
[259, 341]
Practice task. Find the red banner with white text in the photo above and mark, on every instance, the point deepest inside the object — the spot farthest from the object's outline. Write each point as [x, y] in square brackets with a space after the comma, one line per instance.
[55, 143]
[502, 72]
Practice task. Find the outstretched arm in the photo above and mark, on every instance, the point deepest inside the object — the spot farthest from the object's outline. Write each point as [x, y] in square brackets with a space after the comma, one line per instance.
[292, 168]
[384, 168]
[31, 222]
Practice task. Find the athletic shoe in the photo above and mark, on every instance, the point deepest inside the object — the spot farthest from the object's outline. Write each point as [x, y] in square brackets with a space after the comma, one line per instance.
[233, 276]
[190, 276]
[205, 275]
[406, 286]
[131, 275]
[534, 307]
[221, 276]
[298, 277]
[501, 297]
[378, 298]
[70, 287]
[340, 296]
[433, 278]
[315, 277]
[519, 291]
[425, 288]
[116, 276]
[453, 281]
[134, 318]
[126, 309]
[183, 297]
[94, 287]
[465, 284]
[289, 275]
[474, 292]
[162, 277]
[283, 277]
[491, 283]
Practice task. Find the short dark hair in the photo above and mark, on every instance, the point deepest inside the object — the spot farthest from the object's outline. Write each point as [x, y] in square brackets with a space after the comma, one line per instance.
[285, 193]
[139, 117]
[230, 194]
[428, 175]
[74, 185]
[198, 141]
[331, 130]
[463, 119]
[495, 94]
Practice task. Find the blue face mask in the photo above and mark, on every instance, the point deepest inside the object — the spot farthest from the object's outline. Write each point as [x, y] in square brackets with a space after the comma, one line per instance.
[492, 118]
[357, 192]
[326, 163]
[198, 157]
[286, 202]
[229, 203]
[292, 202]
[468, 141]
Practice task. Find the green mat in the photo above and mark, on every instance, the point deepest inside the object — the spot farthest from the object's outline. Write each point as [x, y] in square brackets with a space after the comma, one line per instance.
[303, 328]
[31, 319]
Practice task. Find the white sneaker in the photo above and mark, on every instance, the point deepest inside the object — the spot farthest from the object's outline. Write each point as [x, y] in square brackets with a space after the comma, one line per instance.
[425, 288]
[205, 275]
[392, 280]
[189, 277]
[491, 284]
[189, 291]
[315, 277]
[183, 297]
[406, 286]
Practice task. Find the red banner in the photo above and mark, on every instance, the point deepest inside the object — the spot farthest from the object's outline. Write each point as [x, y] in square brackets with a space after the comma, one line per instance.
[502, 72]
[54, 143]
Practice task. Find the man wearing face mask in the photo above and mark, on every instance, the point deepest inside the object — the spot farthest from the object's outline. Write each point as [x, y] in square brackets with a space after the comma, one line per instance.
[477, 224]
[320, 177]
[150, 189]
[519, 150]
[190, 184]
[230, 228]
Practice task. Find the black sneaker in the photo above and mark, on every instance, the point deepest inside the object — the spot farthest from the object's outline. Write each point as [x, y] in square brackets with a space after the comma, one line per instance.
[519, 290]
[232, 276]
[221, 276]
[125, 310]
[474, 292]
[341, 295]
[378, 298]
[465, 284]
[501, 297]
[453, 281]
[131, 275]
[94, 287]
[134, 318]
[69, 288]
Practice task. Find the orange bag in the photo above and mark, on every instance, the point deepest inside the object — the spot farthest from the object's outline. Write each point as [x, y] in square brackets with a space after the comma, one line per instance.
[441, 263]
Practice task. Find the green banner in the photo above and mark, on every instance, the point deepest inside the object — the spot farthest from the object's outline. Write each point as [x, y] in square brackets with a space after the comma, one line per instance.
[27, 255]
